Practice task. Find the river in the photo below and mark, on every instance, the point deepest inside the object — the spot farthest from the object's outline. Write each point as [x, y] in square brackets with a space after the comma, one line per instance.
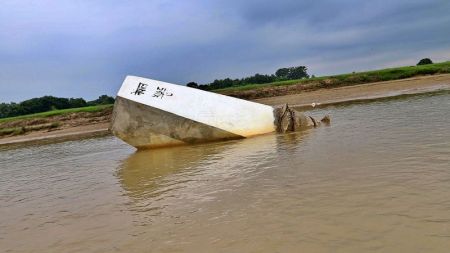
[376, 180]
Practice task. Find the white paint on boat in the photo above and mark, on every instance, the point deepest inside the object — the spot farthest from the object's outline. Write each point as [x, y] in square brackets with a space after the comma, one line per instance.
[234, 115]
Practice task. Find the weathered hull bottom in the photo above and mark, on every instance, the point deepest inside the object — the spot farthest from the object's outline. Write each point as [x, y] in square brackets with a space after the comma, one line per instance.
[147, 127]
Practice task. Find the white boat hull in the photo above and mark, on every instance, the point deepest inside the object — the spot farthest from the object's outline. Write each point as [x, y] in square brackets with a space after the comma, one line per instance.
[150, 113]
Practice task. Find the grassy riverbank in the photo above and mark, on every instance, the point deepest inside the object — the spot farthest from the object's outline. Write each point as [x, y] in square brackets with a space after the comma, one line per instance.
[54, 120]
[254, 91]
[95, 108]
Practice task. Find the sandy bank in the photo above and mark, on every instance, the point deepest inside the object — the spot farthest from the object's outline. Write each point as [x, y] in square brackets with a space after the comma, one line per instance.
[369, 91]
[73, 133]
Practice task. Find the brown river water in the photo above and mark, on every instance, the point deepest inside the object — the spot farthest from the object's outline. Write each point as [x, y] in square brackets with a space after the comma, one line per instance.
[376, 180]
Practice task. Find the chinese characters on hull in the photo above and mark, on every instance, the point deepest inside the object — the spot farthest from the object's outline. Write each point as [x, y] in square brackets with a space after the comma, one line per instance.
[140, 89]
[161, 92]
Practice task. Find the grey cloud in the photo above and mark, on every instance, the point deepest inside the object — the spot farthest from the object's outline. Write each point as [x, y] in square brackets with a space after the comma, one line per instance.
[85, 49]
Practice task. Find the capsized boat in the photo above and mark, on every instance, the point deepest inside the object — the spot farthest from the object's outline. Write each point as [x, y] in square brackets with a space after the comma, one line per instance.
[150, 114]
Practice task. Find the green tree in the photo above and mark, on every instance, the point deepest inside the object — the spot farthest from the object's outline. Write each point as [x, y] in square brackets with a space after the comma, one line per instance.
[192, 85]
[425, 61]
[5, 110]
[102, 100]
[77, 102]
[298, 73]
[292, 73]
[43, 104]
[282, 73]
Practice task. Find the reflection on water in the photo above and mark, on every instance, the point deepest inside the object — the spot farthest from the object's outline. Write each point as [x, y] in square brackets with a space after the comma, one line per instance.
[376, 180]
[142, 172]
[152, 178]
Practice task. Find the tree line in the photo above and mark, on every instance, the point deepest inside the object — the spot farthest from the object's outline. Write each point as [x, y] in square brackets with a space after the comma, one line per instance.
[281, 74]
[48, 103]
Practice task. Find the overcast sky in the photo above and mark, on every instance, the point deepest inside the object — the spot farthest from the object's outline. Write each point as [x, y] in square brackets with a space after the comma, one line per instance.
[77, 48]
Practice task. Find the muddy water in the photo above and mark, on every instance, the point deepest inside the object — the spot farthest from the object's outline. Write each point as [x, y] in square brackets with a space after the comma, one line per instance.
[377, 180]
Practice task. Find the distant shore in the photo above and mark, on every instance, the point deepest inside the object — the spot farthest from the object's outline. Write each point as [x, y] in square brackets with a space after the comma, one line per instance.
[291, 87]
[361, 92]
[54, 127]
[96, 124]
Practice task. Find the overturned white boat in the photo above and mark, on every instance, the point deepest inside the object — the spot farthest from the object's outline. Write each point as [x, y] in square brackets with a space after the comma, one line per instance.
[149, 114]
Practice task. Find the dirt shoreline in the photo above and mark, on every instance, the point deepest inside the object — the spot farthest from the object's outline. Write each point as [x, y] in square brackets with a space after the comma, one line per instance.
[68, 134]
[360, 92]
[303, 100]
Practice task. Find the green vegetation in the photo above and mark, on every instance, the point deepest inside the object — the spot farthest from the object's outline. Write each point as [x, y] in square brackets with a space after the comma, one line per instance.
[282, 74]
[48, 103]
[23, 129]
[350, 79]
[425, 61]
[94, 108]
[11, 131]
